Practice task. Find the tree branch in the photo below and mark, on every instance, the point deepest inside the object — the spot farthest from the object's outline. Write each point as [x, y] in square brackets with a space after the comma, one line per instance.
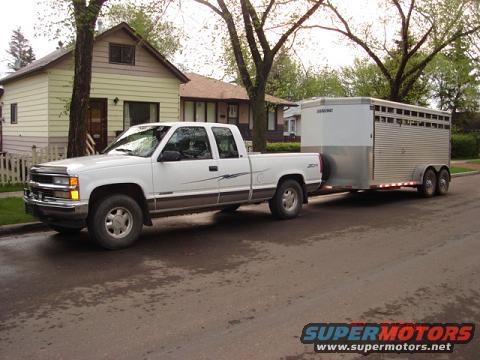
[296, 25]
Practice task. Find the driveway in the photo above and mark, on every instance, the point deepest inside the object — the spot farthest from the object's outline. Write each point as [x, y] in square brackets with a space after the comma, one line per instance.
[242, 286]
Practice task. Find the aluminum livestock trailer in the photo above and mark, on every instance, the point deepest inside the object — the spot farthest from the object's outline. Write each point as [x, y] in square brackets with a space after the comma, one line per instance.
[369, 143]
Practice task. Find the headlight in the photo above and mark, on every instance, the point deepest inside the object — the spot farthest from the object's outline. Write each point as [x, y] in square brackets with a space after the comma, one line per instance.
[61, 180]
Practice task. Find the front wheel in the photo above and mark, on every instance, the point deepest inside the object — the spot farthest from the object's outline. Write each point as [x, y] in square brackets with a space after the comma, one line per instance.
[287, 201]
[115, 222]
[429, 184]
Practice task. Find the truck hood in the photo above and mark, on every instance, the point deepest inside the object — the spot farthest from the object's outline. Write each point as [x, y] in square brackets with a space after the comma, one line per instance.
[86, 163]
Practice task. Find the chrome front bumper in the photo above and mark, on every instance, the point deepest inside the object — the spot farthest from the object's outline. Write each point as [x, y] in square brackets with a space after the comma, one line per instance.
[53, 209]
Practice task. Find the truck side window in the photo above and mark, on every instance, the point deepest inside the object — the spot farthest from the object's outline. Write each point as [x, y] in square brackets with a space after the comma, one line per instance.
[227, 148]
[191, 142]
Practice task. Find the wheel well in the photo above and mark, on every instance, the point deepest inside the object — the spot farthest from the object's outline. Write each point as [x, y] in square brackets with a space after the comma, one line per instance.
[298, 178]
[130, 189]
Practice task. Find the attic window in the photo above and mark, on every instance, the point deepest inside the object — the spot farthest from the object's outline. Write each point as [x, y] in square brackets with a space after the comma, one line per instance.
[122, 54]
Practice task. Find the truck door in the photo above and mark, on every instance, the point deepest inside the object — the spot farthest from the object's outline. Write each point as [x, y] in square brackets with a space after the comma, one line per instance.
[234, 169]
[192, 180]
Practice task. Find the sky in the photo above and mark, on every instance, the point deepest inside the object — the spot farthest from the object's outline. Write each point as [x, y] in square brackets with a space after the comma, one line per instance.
[201, 50]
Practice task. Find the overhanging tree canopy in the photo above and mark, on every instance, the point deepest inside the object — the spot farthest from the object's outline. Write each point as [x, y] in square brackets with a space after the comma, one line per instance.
[265, 27]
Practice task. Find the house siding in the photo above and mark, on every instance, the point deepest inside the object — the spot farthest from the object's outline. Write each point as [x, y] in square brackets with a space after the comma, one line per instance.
[31, 95]
[109, 86]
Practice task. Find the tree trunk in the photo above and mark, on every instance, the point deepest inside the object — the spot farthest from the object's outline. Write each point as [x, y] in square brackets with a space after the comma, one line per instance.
[77, 132]
[259, 121]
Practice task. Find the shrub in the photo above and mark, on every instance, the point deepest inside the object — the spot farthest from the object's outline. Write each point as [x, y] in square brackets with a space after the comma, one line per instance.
[464, 146]
[283, 147]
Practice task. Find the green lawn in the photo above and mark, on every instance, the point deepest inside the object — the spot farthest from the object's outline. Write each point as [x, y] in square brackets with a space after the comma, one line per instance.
[476, 162]
[457, 169]
[11, 187]
[12, 211]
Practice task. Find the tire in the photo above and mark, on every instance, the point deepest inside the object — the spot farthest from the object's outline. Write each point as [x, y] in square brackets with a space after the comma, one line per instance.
[287, 201]
[429, 185]
[65, 230]
[230, 209]
[443, 182]
[115, 222]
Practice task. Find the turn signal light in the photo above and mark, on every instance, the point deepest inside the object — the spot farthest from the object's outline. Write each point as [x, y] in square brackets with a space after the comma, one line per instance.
[73, 181]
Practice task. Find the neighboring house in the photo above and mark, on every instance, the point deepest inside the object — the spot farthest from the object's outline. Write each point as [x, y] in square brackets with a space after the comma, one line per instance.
[206, 99]
[292, 127]
[293, 121]
[131, 83]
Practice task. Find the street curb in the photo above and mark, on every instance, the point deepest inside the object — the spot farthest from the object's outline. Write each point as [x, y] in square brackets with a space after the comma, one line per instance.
[468, 173]
[18, 229]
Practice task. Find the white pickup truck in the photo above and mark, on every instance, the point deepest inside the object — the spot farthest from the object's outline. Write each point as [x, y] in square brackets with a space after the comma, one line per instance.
[160, 169]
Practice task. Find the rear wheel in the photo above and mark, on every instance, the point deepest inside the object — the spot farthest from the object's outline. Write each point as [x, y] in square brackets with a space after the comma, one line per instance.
[64, 229]
[115, 222]
[287, 202]
[429, 184]
[443, 182]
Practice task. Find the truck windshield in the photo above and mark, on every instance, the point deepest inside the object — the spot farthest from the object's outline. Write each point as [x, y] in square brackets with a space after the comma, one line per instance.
[138, 141]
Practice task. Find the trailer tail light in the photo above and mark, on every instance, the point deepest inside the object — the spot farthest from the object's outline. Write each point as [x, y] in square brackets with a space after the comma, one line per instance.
[320, 158]
[394, 185]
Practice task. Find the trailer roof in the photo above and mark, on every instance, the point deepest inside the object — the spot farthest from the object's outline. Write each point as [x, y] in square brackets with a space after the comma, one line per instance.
[369, 101]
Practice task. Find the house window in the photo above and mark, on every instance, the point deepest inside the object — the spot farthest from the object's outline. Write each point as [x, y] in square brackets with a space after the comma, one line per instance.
[199, 111]
[13, 114]
[122, 54]
[232, 114]
[292, 126]
[272, 119]
[135, 113]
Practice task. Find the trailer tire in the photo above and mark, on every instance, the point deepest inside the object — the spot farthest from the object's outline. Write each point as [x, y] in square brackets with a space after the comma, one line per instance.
[287, 201]
[115, 222]
[429, 184]
[443, 182]
[326, 168]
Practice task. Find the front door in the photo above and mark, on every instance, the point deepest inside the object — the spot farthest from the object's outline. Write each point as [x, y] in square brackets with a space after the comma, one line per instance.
[97, 122]
[192, 181]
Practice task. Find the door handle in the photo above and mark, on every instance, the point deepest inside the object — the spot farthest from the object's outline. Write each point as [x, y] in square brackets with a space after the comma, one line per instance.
[213, 168]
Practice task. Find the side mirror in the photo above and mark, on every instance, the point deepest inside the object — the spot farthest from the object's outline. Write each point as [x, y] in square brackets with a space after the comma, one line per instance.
[167, 156]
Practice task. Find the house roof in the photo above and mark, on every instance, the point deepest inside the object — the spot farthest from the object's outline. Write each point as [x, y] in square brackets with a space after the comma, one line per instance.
[202, 87]
[60, 54]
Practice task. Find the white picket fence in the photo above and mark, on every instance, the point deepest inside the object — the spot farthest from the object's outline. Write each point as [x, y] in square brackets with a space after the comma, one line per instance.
[14, 168]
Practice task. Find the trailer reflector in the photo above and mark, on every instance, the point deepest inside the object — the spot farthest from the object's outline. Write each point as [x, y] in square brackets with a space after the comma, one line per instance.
[394, 185]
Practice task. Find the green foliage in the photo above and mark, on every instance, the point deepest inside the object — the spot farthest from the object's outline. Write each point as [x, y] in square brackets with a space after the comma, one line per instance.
[12, 211]
[459, 169]
[20, 51]
[283, 147]
[364, 78]
[464, 146]
[289, 80]
[456, 79]
[148, 21]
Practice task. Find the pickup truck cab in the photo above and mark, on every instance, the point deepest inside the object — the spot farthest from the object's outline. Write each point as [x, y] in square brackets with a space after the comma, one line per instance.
[160, 169]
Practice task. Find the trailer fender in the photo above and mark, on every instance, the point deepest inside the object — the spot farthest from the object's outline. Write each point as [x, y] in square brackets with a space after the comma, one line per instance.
[420, 170]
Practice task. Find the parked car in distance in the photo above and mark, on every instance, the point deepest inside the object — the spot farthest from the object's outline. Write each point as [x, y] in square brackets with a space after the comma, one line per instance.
[160, 169]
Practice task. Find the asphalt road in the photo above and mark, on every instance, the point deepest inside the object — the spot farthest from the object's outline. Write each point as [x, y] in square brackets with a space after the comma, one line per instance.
[242, 286]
